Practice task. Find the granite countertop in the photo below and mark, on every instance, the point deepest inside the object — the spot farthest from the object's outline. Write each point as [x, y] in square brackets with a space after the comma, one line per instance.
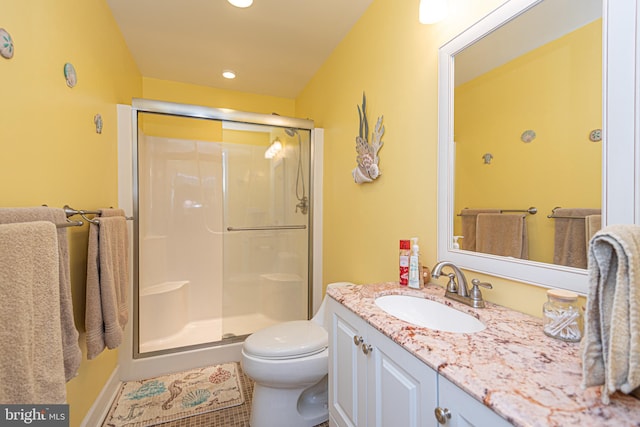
[512, 367]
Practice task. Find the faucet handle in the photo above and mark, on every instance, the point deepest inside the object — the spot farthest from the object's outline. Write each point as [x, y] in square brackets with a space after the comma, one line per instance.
[475, 290]
[476, 282]
[452, 286]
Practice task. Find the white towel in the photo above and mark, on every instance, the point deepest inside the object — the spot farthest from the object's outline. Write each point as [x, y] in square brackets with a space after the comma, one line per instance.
[70, 346]
[32, 368]
[611, 346]
[107, 282]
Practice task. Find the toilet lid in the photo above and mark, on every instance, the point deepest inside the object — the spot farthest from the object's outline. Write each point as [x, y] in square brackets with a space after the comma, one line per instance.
[287, 340]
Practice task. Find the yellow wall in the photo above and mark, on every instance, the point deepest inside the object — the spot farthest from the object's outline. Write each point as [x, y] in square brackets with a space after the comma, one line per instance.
[51, 152]
[556, 91]
[392, 58]
[218, 98]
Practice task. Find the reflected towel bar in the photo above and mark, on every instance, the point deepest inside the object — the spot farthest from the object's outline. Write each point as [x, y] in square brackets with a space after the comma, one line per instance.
[268, 228]
[554, 216]
[532, 210]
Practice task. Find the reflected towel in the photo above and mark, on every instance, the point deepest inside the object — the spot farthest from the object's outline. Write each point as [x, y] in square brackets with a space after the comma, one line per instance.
[570, 236]
[469, 218]
[502, 234]
[32, 369]
[592, 224]
[107, 282]
[70, 346]
[611, 345]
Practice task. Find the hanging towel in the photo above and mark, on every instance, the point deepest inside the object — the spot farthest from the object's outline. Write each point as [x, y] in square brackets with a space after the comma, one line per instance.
[611, 345]
[569, 242]
[32, 368]
[469, 218]
[502, 234]
[592, 224]
[107, 282]
[70, 346]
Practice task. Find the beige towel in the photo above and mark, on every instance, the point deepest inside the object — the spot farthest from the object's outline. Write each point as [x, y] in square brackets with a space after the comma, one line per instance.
[469, 218]
[592, 224]
[569, 241]
[107, 282]
[71, 349]
[502, 234]
[32, 368]
[611, 345]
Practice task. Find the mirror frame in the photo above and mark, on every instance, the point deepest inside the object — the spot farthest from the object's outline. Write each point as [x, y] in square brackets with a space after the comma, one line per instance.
[619, 122]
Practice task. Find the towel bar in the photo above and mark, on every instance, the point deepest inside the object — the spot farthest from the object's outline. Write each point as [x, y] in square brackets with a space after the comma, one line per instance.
[554, 216]
[69, 211]
[532, 210]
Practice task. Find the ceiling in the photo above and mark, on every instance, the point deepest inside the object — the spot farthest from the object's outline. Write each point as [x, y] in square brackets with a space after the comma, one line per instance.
[274, 46]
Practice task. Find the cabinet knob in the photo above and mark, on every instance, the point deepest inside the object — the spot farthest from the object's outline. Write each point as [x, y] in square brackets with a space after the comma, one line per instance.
[366, 348]
[357, 340]
[442, 415]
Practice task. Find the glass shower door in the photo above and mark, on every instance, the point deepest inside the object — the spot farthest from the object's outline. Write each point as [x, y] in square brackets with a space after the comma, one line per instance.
[266, 223]
[223, 236]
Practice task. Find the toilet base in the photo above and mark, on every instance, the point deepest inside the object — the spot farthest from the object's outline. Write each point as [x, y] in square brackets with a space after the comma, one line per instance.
[289, 407]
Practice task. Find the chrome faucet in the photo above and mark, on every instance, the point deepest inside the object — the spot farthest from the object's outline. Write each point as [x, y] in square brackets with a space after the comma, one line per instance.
[460, 291]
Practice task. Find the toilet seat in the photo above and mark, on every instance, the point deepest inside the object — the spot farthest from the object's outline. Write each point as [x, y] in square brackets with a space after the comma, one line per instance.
[289, 340]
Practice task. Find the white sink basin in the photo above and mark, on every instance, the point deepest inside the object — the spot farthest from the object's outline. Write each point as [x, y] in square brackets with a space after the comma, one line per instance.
[429, 314]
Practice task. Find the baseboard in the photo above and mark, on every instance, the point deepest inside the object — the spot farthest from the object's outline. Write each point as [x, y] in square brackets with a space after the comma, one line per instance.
[102, 404]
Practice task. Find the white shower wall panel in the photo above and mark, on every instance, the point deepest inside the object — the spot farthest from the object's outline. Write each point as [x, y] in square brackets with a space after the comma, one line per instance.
[185, 204]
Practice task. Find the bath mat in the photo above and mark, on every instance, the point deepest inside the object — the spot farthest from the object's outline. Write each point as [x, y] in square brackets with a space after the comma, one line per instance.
[171, 397]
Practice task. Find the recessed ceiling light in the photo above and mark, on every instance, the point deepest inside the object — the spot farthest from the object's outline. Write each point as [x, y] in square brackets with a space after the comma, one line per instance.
[241, 3]
[228, 74]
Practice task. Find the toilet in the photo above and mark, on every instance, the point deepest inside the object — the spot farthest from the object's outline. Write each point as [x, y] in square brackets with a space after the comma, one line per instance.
[289, 363]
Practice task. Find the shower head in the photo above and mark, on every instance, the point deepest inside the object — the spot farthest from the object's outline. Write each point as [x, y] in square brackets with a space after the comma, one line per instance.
[290, 131]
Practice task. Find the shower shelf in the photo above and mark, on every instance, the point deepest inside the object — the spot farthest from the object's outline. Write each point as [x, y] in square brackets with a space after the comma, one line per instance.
[163, 287]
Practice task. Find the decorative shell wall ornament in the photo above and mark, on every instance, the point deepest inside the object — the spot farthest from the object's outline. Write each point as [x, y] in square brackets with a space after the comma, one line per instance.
[367, 158]
[6, 44]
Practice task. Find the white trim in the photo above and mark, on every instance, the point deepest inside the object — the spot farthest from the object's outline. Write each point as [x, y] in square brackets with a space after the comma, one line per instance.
[100, 408]
[318, 171]
[125, 201]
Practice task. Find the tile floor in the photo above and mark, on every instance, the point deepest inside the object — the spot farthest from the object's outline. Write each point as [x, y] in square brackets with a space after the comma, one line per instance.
[237, 416]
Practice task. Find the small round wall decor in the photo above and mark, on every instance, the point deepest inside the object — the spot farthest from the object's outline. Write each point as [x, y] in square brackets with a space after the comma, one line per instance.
[70, 74]
[6, 44]
[528, 136]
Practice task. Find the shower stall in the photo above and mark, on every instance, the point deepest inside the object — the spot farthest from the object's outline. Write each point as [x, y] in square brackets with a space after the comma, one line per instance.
[222, 235]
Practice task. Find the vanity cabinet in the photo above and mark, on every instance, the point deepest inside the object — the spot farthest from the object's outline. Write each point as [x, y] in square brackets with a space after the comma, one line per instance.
[372, 380]
[459, 409]
[375, 382]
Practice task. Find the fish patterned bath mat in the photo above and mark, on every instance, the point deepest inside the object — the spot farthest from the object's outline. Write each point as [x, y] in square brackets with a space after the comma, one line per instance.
[171, 397]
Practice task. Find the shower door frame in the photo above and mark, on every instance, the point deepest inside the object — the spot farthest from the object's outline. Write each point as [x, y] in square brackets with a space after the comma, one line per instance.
[140, 105]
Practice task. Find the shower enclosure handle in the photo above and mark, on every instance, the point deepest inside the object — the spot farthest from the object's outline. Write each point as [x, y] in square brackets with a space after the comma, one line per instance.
[268, 227]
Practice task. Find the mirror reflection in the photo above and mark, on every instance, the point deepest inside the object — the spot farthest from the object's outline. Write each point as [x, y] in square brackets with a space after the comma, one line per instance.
[527, 125]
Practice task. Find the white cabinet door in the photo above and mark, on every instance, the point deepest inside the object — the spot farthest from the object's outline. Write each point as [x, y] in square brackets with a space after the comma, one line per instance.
[402, 390]
[347, 367]
[372, 380]
[464, 410]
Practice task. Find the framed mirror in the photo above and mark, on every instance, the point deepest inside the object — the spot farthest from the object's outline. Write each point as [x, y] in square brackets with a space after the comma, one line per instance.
[536, 109]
